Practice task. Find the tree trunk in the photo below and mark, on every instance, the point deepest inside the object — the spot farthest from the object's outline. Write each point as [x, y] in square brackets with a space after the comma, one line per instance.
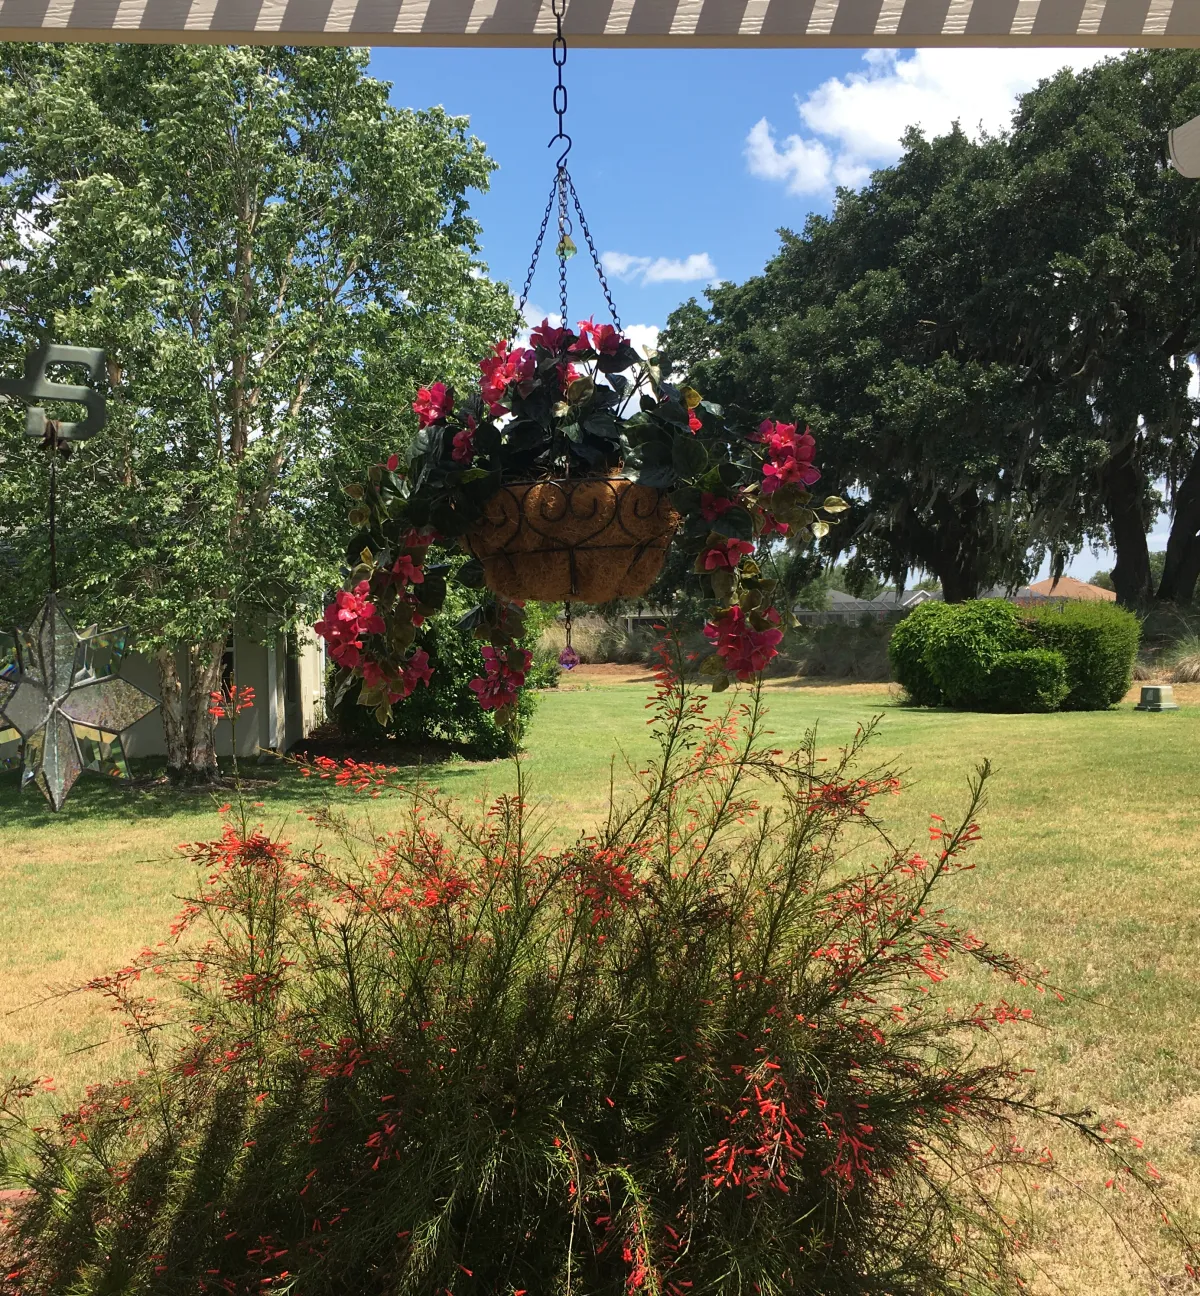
[957, 559]
[1175, 586]
[1124, 489]
[1189, 573]
[189, 729]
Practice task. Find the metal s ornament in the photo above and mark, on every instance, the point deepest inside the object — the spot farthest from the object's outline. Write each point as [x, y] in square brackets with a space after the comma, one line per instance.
[61, 694]
[33, 386]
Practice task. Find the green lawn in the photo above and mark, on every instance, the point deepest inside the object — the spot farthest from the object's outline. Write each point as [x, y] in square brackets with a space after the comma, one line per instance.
[1090, 866]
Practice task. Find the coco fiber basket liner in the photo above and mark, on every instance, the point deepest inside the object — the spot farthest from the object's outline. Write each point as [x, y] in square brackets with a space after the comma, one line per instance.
[591, 540]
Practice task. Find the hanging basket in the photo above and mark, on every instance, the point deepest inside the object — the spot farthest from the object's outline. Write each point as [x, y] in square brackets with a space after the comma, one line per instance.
[590, 540]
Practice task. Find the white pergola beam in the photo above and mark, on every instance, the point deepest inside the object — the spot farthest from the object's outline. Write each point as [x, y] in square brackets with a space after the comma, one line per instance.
[613, 23]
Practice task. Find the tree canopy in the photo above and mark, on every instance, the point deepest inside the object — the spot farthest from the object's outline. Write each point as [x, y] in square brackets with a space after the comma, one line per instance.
[992, 339]
[272, 256]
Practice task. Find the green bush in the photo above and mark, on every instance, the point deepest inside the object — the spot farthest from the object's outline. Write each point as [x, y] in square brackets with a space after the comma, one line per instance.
[1099, 642]
[906, 652]
[963, 643]
[1030, 679]
[644, 1062]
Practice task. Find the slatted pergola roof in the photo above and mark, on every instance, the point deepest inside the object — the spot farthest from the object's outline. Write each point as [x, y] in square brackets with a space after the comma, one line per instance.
[613, 23]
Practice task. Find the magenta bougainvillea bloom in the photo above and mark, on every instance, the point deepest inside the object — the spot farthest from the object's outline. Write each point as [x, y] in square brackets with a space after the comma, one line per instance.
[346, 620]
[432, 404]
[745, 647]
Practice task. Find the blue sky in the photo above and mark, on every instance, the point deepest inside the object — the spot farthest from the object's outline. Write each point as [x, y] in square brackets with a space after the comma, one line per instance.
[688, 161]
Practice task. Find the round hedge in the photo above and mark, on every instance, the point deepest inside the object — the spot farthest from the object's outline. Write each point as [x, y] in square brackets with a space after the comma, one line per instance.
[1031, 679]
[1098, 641]
[963, 643]
[989, 654]
[906, 652]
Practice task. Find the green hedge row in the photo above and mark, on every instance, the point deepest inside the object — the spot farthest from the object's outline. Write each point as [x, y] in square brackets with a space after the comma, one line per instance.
[990, 655]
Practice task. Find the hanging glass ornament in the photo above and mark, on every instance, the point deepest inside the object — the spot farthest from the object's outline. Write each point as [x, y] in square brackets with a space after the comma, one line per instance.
[63, 702]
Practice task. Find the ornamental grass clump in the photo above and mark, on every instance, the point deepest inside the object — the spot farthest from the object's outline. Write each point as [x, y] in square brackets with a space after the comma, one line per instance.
[691, 1051]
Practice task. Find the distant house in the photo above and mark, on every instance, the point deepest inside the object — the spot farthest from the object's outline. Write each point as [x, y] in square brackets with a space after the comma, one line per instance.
[845, 608]
[287, 674]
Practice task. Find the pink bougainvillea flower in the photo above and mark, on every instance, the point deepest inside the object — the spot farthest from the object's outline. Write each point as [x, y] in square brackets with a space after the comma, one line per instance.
[418, 669]
[346, 620]
[503, 368]
[464, 443]
[601, 338]
[567, 374]
[769, 524]
[726, 555]
[789, 457]
[494, 384]
[432, 404]
[550, 338]
[393, 462]
[407, 571]
[504, 674]
[744, 650]
[712, 506]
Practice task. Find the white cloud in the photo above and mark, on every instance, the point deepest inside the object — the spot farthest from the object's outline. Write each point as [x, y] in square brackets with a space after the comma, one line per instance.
[855, 123]
[805, 164]
[644, 337]
[651, 270]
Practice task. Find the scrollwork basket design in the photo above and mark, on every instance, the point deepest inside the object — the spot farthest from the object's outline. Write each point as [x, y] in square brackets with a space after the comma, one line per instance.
[591, 540]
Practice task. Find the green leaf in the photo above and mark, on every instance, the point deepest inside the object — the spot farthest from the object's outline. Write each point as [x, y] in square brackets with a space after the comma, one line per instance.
[835, 504]
[688, 455]
[736, 523]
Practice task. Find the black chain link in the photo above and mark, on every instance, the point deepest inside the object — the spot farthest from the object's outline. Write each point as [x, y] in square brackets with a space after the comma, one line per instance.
[562, 186]
[537, 251]
[587, 234]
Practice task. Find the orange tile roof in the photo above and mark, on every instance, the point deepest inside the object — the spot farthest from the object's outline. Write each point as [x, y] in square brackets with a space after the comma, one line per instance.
[1070, 588]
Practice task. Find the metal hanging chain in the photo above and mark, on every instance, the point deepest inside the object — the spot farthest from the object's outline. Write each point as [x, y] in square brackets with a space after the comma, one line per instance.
[567, 621]
[537, 251]
[587, 234]
[54, 447]
[562, 186]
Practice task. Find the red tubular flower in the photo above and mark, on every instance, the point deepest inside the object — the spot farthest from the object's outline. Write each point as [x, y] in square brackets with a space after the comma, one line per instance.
[726, 555]
[432, 404]
[745, 650]
[694, 421]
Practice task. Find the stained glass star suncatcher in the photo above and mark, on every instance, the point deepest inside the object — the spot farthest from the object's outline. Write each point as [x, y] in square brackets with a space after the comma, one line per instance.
[66, 700]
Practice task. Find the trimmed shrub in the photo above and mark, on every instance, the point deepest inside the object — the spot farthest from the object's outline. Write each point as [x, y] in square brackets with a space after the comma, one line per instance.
[906, 653]
[451, 1058]
[1030, 679]
[1099, 642]
[963, 643]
